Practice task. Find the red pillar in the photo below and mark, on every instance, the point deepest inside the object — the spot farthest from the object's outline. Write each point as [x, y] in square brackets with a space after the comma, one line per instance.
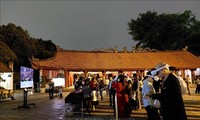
[66, 78]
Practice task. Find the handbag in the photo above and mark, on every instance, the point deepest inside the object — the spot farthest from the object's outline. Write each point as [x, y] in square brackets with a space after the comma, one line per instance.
[156, 103]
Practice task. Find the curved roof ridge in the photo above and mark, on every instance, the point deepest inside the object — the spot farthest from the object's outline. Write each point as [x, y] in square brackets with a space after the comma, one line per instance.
[121, 52]
[99, 51]
[76, 60]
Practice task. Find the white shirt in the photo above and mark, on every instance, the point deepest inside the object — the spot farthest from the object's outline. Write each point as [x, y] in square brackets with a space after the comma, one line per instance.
[147, 89]
[107, 82]
[94, 95]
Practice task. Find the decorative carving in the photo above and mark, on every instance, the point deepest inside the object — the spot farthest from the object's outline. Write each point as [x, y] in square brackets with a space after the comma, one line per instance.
[105, 50]
[116, 49]
[185, 48]
[134, 49]
[139, 49]
[125, 49]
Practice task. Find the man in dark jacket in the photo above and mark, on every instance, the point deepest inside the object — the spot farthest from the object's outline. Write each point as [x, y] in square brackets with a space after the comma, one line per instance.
[51, 89]
[172, 105]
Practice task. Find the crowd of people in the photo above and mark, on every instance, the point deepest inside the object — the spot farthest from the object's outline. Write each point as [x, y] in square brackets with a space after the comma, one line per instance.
[160, 93]
[93, 89]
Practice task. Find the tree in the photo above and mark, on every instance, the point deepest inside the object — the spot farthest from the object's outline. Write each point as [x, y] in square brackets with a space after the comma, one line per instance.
[45, 49]
[165, 31]
[19, 46]
[18, 40]
[16, 45]
[6, 54]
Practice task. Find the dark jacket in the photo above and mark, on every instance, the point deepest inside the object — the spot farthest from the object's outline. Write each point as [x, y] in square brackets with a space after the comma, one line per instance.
[172, 105]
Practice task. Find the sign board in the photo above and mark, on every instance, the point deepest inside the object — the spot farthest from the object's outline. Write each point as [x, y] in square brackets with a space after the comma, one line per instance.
[26, 77]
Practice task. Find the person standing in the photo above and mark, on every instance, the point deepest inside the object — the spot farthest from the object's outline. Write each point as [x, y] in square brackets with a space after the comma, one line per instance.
[136, 91]
[121, 100]
[197, 86]
[188, 82]
[94, 99]
[60, 92]
[51, 89]
[147, 92]
[180, 79]
[128, 96]
[101, 89]
[107, 84]
[87, 102]
[172, 105]
[129, 90]
[93, 83]
[111, 90]
[75, 77]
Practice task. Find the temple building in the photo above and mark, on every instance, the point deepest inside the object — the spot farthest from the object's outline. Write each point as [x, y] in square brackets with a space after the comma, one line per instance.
[67, 63]
[6, 76]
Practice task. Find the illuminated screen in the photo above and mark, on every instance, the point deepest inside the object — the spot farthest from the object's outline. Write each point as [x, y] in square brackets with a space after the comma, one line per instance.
[59, 81]
[26, 77]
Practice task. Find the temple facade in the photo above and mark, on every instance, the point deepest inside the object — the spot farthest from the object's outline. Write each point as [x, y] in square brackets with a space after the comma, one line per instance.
[67, 63]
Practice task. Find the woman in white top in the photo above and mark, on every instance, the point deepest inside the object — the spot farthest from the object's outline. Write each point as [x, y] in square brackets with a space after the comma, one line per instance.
[147, 91]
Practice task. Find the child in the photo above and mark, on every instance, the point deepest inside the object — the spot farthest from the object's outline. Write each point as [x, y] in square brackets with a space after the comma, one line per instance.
[94, 99]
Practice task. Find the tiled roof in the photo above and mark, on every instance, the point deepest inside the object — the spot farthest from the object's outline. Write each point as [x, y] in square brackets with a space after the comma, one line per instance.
[80, 60]
[4, 68]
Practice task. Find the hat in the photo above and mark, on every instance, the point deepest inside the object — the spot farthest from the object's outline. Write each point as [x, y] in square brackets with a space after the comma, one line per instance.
[152, 75]
[161, 66]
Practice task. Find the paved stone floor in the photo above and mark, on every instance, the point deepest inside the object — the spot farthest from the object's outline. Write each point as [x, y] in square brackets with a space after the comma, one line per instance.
[53, 109]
